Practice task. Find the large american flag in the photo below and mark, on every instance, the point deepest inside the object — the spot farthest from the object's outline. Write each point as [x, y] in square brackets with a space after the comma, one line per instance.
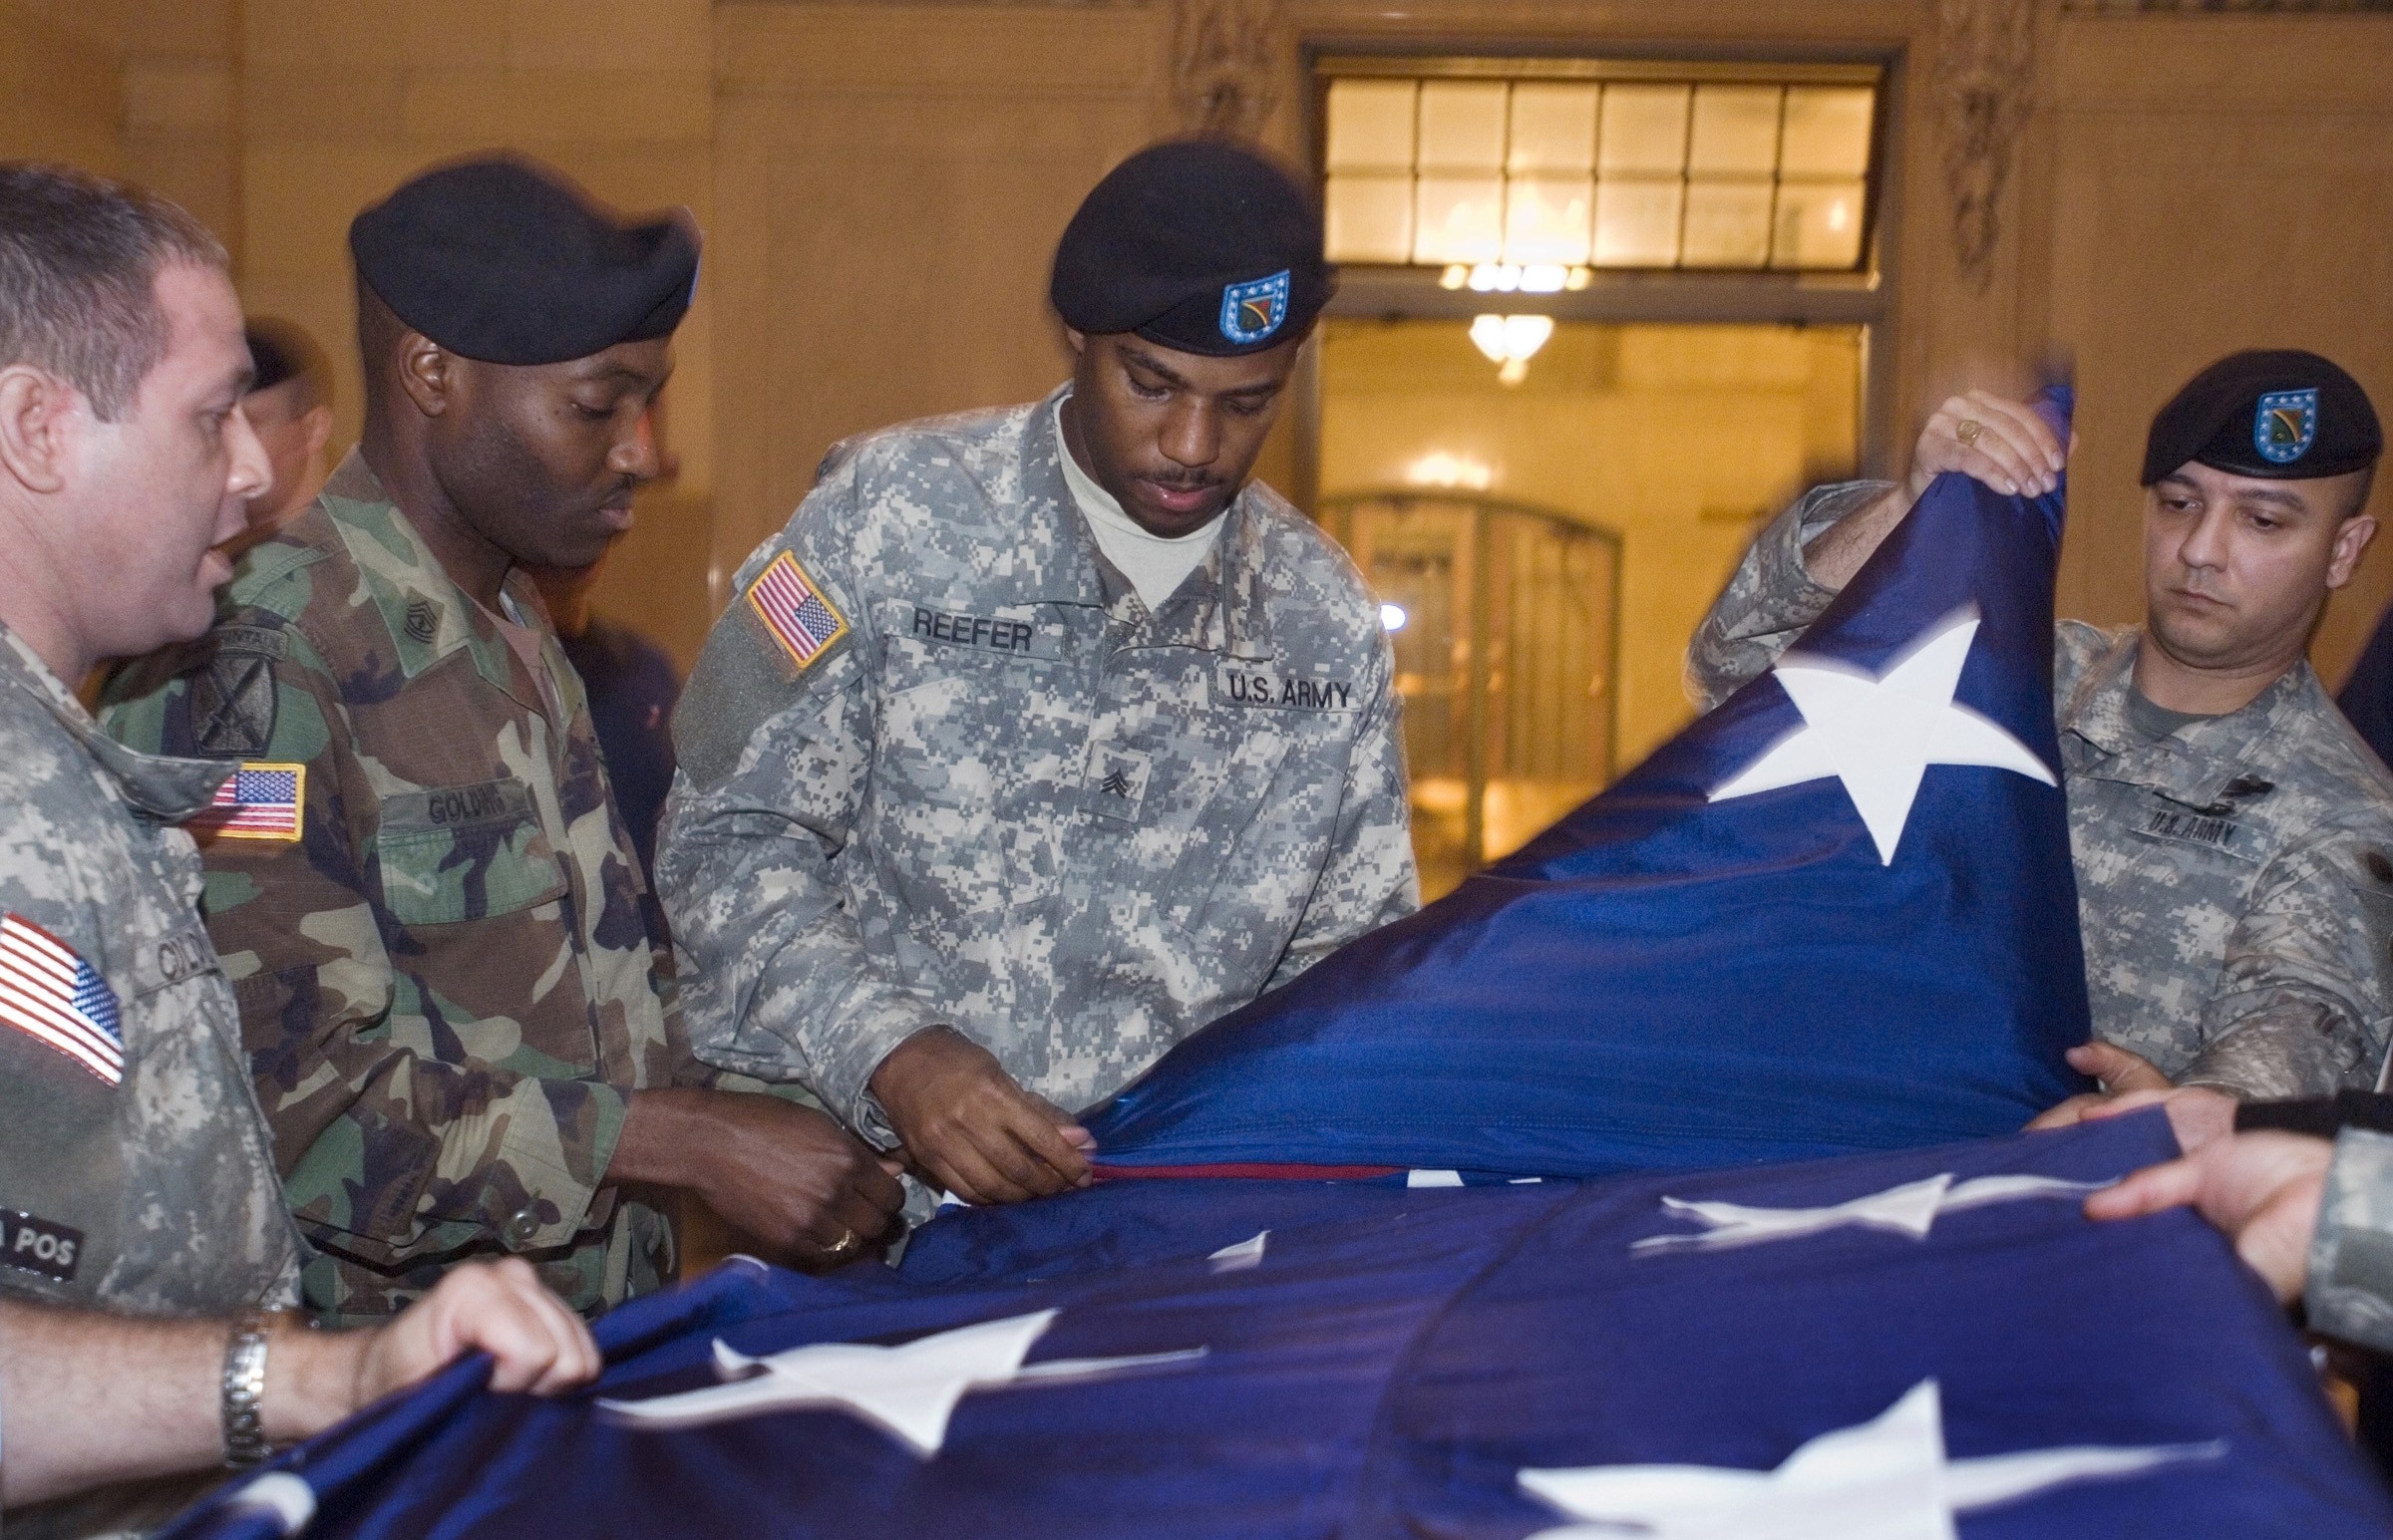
[52, 995]
[793, 610]
[257, 802]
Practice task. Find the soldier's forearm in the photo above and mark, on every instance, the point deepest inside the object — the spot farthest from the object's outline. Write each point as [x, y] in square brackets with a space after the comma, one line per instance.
[1835, 554]
[662, 1131]
[89, 1399]
[1774, 593]
[2295, 1047]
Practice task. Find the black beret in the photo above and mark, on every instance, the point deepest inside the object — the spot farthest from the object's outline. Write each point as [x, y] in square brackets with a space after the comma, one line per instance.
[2278, 412]
[1201, 245]
[282, 351]
[503, 260]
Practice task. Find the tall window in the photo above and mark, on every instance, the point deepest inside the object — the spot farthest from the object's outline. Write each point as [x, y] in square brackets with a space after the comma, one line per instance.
[1532, 176]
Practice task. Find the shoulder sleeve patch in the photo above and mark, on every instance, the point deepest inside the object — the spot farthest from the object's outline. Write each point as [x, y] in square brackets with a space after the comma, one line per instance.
[256, 802]
[794, 611]
[233, 699]
[52, 995]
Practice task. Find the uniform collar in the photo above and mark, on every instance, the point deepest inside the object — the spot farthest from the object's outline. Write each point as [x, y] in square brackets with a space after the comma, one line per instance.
[1218, 609]
[162, 788]
[426, 614]
[2198, 763]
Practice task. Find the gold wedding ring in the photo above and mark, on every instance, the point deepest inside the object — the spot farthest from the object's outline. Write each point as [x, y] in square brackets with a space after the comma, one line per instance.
[843, 1245]
[1967, 430]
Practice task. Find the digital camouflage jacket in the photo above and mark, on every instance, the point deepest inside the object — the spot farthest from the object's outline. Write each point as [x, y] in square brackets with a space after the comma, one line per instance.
[2235, 879]
[447, 979]
[939, 764]
[2349, 1292]
[134, 1172]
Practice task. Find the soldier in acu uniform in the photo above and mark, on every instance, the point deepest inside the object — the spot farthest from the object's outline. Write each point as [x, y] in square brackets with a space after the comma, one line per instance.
[446, 960]
[1039, 738]
[135, 1174]
[2234, 838]
[2314, 1219]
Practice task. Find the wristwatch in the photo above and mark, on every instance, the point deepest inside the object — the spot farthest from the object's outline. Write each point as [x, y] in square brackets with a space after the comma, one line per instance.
[245, 1388]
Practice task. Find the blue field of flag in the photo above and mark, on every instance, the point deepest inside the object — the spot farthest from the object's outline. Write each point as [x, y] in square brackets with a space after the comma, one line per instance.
[1772, 977]
[1908, 1345]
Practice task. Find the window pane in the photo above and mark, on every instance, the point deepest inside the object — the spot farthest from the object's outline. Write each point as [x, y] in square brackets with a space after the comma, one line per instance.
[1545, 219]
[1462, 126]
[1371, 124]
[1827, 132]
[1819, 225]
[1644, 129]
[1459, 219]
[1735, 131]
[1636, 223]
[1554, 129]
[1728, 224]
[1370, 218]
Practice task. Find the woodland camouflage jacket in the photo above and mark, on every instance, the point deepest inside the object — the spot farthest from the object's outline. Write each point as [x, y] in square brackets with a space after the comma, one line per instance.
[450, 980]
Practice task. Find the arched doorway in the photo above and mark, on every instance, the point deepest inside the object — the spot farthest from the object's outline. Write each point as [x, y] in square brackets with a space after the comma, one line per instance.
[1506, 625]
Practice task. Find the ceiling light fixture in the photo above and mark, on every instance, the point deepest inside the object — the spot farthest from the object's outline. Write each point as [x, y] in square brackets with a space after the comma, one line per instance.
[1511, 342]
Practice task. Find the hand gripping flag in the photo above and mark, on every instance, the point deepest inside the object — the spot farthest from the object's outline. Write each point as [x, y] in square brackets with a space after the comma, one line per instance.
[1834, 914]
[1308, 1359]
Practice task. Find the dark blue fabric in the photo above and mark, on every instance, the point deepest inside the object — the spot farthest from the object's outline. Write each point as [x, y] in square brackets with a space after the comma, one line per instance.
[2367, 696]
[632, 688]
[1397, 1356]
[1664, 981]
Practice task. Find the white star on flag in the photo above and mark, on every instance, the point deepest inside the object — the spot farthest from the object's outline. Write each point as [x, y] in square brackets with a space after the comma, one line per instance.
[909, 1390]
[1887, 1480]
[1910, 1210]
[1878, 733]
[1240, 1255]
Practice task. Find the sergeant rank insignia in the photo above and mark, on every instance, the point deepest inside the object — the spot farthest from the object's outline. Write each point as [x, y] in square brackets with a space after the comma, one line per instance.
[2285, 425]
[1252, 311]
[801, 619]
[256, 802]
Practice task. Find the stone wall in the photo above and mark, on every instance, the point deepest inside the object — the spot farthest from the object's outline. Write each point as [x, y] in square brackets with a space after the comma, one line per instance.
[882, 185]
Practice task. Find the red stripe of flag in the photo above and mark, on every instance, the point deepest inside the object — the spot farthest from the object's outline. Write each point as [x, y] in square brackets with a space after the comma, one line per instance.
[41, 1004]
[32, 954]
[1247, 1169]
[38, 1020]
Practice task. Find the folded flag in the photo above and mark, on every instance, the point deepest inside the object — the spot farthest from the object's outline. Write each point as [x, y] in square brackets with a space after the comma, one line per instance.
[1834, 914]
[1484, 1363]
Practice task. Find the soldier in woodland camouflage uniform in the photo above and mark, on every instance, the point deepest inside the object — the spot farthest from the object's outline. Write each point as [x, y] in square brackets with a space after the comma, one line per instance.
[146, 1256]
[1035, 741]
[2234, 856]
[454, 995]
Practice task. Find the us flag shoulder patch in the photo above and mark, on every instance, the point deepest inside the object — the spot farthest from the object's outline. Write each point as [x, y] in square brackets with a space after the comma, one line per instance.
[256, 802]
[801, 619]
[54, 997]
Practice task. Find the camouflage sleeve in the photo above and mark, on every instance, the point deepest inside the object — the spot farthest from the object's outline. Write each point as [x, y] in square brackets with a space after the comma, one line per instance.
[2301, 1005]
[377, 1134]
[1369, 879]
[1771, 596]
[775, 758]
[2350, 1289]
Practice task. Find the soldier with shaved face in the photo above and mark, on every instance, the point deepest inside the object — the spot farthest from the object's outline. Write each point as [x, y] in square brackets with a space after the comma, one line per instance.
[2234, 836]
[461, 1023]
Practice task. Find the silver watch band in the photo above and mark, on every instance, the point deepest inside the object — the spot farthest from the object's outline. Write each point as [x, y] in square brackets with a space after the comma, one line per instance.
[245, 1388]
